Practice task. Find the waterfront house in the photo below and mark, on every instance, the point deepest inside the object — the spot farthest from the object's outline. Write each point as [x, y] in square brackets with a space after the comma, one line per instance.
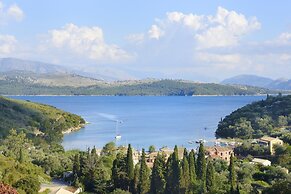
[215, 152]
[270, 142]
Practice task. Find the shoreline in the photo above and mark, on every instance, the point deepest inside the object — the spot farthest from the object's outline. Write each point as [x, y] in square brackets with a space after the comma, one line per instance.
[200, 95]
[74, 129]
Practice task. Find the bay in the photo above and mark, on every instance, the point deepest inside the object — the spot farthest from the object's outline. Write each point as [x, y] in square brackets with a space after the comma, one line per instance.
[144, 120]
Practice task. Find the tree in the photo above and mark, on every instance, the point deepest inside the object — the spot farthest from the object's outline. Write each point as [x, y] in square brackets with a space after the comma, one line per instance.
[144, 183]
[158, 181]
[173, 173]
[109, 149]
[76, 170]
[16, 145]
[280, 187]
[201, 167]
[129, 167]
[136, 178]
[152, 149]
[192, 171]
[231, 177]
[119, 172]
[185, 175]
[29, 184]
[210, 177]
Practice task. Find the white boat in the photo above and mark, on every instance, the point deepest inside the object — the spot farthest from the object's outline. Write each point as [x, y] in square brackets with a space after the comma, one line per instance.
[117, 136]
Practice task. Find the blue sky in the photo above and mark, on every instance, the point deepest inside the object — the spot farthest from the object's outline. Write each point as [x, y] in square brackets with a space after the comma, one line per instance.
[197, 40]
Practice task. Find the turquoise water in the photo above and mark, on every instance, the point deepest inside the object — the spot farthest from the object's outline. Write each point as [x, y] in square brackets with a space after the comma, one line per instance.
[144, 120]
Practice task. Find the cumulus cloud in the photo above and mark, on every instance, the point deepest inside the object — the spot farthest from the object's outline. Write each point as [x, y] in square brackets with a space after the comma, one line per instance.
[190, 41]
[155, 32]
[87, 42]
[11, 12]
[7, 44]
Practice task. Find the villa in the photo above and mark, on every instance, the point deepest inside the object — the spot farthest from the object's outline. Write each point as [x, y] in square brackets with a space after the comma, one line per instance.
[215, 152]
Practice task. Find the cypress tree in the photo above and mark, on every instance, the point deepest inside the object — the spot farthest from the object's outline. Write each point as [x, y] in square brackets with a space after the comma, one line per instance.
[158, 181]
[210, 177]
[185, 153]
[129, 167]
[76, 165]
[173, 173]
[231, 177]
[192, 172]
[185, 175]
[119, 172]
[136, 179]
[21, 157]
[201, 167]
[76, 170]
[144, 183]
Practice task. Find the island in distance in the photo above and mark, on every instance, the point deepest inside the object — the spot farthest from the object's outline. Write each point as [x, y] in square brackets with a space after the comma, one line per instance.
[24, 77]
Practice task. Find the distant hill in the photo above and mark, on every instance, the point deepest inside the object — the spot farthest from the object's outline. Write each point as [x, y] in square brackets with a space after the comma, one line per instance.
[281, 84]
[13, 64]
[249, 80]
[23, 84]
[35, 118]
[49, 79]
[258, 81]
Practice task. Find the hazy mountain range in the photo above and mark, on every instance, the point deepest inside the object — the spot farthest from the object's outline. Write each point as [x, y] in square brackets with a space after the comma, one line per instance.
[28, 72]
[258, 81]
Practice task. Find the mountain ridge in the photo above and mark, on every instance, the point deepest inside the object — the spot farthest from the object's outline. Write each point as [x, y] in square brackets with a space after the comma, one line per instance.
[259, 81]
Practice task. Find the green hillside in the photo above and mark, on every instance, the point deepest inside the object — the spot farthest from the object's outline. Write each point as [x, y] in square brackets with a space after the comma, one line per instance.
[34, 118]
[267, 117]
[141, 87]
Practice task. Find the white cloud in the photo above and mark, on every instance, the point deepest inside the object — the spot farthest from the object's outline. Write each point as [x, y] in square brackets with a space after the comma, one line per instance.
[214, 45]
[7, 44]
[284, 38]
[12, 12]
[86, 42]
[155, 32]
[193, 21]
[226, 29]
[15, 12]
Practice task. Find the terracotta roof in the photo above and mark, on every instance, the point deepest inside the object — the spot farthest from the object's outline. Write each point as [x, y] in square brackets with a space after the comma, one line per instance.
[218, 148]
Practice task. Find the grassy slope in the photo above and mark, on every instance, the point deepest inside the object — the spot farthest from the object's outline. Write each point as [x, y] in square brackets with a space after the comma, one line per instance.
[23, 114]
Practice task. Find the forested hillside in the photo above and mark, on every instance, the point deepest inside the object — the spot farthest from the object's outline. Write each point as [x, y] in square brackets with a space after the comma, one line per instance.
[34, 119]
[267, 117]
[142, 87]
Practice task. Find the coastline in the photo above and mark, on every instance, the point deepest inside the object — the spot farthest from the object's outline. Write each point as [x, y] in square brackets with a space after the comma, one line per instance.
[73, 129]
[198, 95]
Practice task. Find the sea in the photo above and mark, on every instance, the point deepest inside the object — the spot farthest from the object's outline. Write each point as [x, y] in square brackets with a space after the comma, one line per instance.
[144, 120]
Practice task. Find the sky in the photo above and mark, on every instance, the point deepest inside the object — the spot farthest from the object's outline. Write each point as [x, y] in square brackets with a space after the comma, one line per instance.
[179, 39]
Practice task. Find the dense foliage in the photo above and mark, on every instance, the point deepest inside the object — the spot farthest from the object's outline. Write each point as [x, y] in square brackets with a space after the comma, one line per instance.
[172, 175]
[158, 87]
[36, 119]
[267, 117]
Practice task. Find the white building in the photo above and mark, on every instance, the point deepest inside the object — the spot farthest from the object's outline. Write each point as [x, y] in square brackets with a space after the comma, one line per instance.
[261, 161]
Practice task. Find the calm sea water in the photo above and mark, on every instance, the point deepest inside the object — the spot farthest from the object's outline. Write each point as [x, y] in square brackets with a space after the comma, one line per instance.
[144, 120]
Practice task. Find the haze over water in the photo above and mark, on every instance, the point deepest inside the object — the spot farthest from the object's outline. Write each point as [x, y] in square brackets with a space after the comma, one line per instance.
[144, 120]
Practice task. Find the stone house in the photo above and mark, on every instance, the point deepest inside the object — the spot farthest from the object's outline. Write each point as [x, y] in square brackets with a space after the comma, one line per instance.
[270, 142]
[223, 153]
